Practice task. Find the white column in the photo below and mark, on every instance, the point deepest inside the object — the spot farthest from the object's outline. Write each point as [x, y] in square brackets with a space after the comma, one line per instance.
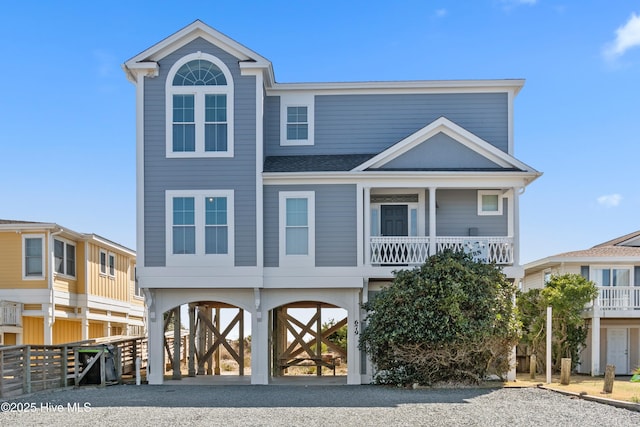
[595, 344]
[155, 328]
[85, 324]
[367, 225]
[432, 220]
[513, 224]
[47, 311]
[259, 347]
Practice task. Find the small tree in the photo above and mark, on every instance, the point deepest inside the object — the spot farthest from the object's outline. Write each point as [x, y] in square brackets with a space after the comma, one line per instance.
[452, 319]
[567, 295]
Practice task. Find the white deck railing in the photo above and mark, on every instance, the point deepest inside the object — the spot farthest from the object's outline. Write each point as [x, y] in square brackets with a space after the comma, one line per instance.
[402, 250]
[10, 313]
[399, 250]
[618, 298]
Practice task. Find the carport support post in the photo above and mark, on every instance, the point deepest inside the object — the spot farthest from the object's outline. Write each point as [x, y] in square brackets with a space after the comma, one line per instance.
[192, 340]
[241, 343]
[319, 340]
[259, 348]
[218, 324]
[155, 367]
[177, 375]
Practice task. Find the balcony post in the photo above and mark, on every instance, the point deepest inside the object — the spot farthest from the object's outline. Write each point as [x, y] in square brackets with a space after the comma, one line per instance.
[432, 221]
[367, 225]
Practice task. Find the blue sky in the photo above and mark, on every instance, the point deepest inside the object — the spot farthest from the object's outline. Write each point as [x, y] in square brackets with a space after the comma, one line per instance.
[67, 122]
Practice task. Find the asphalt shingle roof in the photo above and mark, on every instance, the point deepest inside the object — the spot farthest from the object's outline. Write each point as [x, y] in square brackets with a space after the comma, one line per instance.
[317, 163]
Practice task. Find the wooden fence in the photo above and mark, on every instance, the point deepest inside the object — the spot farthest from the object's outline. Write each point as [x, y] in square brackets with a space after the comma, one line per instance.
[26, 369]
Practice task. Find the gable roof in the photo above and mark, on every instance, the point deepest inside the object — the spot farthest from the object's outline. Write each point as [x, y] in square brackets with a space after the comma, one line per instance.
[457, 133]
[147, 59]
[613, 250]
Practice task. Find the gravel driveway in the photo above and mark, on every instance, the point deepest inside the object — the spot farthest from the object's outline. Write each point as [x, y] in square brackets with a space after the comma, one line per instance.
[286, 405]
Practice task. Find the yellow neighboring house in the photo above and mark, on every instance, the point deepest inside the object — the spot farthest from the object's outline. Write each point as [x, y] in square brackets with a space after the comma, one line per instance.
[59, 286]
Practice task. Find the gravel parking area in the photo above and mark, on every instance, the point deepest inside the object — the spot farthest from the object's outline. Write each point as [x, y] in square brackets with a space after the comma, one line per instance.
[286, 405]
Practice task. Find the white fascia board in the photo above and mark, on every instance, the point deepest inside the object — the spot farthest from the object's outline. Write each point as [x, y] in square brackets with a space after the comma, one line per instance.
[581, 260]
[191, 32]
[94, 238]
[417, 179]
[28, 226]
[200, 277]
[410, 86]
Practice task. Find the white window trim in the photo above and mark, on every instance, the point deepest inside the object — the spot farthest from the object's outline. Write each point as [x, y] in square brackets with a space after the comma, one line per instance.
[199, 258]
[297, 100]
[419, 206]
[24, 265]
[106, 262]
[308, 260]
[199, 93]
[498, 193]
[64, 257]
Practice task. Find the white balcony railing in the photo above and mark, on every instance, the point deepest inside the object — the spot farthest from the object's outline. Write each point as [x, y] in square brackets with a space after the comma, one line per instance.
[394, 250]
[10, 313]
[618, 298]
[403, 250]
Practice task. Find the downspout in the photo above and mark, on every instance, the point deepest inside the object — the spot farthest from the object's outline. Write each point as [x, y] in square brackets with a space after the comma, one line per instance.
[51, 288]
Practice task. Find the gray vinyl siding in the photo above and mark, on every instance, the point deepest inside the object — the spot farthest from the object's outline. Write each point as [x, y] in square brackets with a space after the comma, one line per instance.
[440, 152]
[335, 221]
[237, 173]
[357, 124]
[457, 211]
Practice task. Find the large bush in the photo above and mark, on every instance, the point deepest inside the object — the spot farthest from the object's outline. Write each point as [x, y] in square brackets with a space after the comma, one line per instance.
[567, 295]
[452, 319]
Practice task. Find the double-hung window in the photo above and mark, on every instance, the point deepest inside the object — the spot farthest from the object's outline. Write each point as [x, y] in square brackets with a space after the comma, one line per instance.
[200, 227]
[107, 263]
[297, 119]
[200, 108]
[33, 256]
[64, 255]
[297, 228]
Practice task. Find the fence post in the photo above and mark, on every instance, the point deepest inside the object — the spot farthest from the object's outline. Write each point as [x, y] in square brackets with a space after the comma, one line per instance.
[565, 371]
[1, 372]
[76, 366]
[609, 377]
[103, 380]
[27, 372]
[64, 368]
[532, 366]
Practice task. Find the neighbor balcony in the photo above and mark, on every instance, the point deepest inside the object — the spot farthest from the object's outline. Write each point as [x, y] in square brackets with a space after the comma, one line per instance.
[618, 301]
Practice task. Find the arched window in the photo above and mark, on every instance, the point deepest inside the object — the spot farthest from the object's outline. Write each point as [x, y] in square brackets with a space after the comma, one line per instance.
[199, 108]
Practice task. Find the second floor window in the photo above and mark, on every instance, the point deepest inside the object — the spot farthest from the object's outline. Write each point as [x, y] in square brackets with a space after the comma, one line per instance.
[199, 224]
[33, 249]
[200, 108]
[64, 255]
[297, 228]
[612, 276]
[297, 123]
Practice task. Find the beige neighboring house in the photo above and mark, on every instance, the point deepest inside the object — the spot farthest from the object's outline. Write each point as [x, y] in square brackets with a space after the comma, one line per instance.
[614, 317]
[59, 286]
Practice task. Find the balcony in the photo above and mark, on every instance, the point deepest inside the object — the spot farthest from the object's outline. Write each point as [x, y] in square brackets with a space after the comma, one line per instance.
[408, 250]
[10, 313]
[618, 298]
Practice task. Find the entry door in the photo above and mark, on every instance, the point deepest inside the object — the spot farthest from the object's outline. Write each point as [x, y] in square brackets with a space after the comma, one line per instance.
[617, 351]
[393, 220]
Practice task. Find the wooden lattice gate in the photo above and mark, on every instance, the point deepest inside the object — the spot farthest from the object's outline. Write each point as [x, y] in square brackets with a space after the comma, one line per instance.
[301, 352]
